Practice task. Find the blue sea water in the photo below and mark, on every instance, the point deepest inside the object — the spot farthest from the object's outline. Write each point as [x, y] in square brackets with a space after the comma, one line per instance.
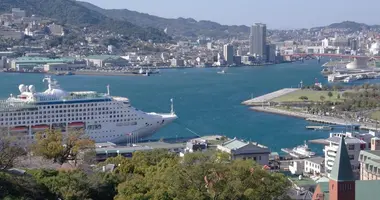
[206, 102]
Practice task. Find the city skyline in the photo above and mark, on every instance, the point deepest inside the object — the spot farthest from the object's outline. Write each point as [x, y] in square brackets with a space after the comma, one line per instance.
[279, 15]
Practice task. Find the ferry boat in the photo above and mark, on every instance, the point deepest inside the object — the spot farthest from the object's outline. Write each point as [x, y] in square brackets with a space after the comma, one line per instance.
[302, 151]
[103, 117]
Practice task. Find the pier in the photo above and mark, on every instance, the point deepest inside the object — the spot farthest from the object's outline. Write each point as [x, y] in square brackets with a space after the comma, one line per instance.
[267, 97]
[323, 128]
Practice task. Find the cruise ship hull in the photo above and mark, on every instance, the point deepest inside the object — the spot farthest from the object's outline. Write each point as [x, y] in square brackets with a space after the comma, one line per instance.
[102, 117]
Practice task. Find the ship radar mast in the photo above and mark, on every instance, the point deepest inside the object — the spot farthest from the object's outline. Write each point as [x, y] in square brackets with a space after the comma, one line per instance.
[108, 90]
[172, 107]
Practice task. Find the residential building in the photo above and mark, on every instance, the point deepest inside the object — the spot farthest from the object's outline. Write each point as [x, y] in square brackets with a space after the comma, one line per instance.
[370, 161]
[258, 40]
[11, 34]
[177, 62]
[56, 30]
[18, 13]
[314, 165]
[228, 53]
[342, 184]
[296, 167]
[209, 45]
[270, 52]
[355, 143]
[237, 60]
[246, 150]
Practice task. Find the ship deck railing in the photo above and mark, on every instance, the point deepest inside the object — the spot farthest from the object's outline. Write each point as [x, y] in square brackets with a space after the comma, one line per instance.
[8, 106]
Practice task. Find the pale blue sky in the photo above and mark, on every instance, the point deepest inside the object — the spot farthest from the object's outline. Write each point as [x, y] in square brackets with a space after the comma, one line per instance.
[275, 13]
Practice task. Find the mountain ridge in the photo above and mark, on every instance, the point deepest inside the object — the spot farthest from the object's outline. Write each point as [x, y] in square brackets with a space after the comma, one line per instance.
[71, 12]
[187, 27]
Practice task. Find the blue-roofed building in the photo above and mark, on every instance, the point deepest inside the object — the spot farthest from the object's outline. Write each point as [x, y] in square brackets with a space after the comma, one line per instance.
[239, 149]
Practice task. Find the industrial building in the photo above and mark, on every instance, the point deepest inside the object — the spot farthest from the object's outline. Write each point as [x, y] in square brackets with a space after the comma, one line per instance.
[28, 63]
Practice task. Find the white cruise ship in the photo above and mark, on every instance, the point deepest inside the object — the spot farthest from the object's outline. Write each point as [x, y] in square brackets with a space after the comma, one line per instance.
[103, 117]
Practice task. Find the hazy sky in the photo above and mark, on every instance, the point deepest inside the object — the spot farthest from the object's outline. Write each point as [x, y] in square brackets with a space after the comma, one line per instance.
[275, 13]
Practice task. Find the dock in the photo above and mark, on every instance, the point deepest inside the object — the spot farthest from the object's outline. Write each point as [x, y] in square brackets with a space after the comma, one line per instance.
[293, 154]
[322, 128]
[319, 141]
[267, 97]
[330, 120]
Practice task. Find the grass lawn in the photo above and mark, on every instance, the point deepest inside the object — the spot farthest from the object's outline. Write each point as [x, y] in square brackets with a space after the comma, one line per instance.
[310, 94]
[375, 115]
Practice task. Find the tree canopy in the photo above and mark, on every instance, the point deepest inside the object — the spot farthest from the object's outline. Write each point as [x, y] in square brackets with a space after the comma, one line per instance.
[54, 145]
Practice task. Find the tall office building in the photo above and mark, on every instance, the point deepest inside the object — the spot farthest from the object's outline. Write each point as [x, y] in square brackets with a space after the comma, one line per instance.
[258, 40]
[228, 53]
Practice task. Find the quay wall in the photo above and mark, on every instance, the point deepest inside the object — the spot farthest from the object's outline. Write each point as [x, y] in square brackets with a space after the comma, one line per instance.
[314, 118]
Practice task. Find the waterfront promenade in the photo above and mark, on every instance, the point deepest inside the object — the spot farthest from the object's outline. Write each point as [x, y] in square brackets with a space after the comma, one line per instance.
[315, 118]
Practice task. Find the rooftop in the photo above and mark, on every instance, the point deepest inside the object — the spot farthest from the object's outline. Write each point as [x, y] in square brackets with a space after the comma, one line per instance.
[103, 57]
[318, 160]
[234, 144]
[26, 59]
[349, 140]
[369, 152]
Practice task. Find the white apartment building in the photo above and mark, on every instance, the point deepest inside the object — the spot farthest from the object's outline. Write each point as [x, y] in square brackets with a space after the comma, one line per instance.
[355, 142]
[314, 165]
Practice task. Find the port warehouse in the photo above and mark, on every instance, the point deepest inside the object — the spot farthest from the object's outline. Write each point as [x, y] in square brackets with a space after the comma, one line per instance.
[66, 63]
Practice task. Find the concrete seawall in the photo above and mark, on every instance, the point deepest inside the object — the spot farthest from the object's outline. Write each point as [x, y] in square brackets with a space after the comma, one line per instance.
[315, 118]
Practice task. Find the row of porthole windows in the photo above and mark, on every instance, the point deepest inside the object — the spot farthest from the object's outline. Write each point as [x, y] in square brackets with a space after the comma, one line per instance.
[60, 111]
[62, 120]
[59, 116]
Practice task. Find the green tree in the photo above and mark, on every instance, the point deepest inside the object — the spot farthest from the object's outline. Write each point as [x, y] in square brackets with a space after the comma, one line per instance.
[322, 98]
[203, 177]
[338, 96]
[330, 94]
[61, 148]
[68, 185]
[9, 152]
[303, 98]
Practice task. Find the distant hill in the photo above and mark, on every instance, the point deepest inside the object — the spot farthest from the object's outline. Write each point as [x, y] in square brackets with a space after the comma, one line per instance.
[350, 25]
[71, 12]
[176, 27]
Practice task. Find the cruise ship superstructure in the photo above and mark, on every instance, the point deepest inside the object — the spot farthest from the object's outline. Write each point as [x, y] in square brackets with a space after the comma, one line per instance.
[103, 117]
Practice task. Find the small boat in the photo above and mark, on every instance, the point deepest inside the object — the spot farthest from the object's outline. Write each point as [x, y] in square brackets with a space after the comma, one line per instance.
[69, 73]
[222, 72]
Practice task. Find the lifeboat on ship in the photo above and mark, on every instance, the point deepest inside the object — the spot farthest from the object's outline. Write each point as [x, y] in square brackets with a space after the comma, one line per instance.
[19, 129]
[40, 127]
[76, 125]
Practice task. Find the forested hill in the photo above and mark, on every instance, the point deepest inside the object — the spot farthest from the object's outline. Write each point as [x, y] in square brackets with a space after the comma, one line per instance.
[70, 12]
[186, 27]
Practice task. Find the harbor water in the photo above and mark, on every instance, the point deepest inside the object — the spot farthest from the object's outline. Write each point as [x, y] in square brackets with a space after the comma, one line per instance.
[205, 101]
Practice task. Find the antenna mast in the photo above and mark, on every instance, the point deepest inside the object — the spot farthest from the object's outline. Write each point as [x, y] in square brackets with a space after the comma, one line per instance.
[108, 90]
[172, 106]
